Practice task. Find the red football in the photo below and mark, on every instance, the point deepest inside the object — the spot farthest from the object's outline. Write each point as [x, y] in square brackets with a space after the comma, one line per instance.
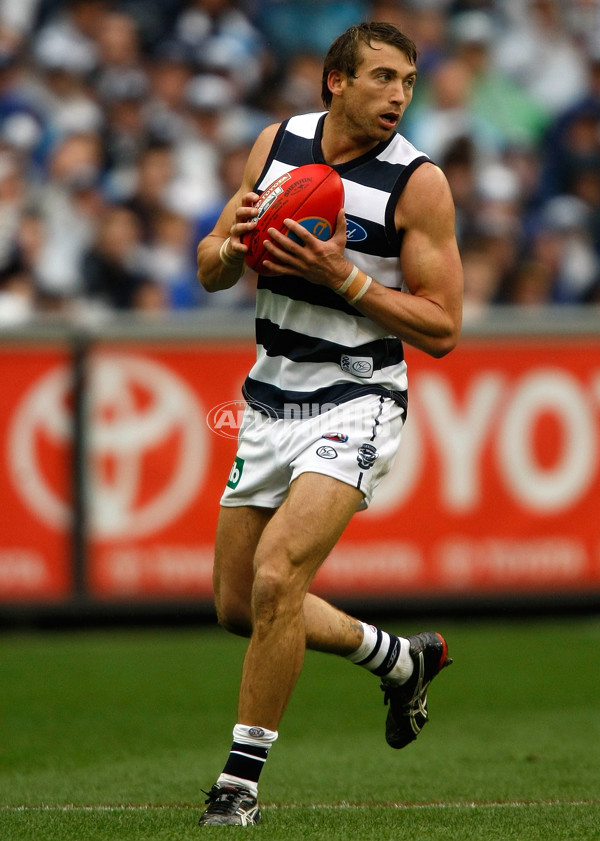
[312, 195]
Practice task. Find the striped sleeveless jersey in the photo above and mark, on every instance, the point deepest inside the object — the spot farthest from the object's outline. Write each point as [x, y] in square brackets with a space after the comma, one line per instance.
[314, 350]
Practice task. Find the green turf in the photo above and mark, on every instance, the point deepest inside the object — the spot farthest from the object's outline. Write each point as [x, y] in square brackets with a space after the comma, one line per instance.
[111, 735]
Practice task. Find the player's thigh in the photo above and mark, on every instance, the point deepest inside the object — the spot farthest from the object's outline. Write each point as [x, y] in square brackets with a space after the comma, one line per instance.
[239, 530]
[305, 528]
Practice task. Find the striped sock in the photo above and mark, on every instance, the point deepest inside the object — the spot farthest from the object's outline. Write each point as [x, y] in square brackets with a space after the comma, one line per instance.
[386, 655]
[247, 757]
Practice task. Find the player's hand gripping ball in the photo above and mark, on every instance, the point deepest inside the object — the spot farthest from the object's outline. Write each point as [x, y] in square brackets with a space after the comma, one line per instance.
[311, 195]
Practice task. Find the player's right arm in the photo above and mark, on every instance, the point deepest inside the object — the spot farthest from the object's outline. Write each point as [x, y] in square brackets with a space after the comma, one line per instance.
[221, 253]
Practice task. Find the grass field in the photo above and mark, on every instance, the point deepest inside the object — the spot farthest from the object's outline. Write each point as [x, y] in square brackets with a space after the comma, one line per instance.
[109, 736]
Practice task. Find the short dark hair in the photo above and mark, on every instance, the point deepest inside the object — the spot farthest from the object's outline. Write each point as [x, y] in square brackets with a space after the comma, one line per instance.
[344, 54]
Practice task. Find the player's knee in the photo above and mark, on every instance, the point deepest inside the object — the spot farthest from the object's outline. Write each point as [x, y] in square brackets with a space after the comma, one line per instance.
[274, 595]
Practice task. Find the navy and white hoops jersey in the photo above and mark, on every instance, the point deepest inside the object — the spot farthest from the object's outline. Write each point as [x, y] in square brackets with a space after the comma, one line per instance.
[314, 350]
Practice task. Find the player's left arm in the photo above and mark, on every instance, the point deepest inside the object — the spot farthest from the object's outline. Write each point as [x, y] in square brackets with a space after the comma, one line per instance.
[428, 318]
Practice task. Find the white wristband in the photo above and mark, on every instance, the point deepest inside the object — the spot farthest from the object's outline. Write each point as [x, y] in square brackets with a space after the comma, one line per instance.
[227, 259]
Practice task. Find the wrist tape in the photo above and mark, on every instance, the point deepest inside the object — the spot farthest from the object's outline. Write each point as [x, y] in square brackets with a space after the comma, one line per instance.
[355, 286]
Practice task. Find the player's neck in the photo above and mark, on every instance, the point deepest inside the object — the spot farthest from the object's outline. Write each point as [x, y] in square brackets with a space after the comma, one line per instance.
[339, 146]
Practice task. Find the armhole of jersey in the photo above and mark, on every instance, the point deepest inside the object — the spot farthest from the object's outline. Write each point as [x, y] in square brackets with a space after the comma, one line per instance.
[273, 151]
[393, 236]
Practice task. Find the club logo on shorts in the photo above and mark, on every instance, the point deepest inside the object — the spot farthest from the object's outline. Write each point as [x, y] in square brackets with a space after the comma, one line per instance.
[236, 473]
[335, 436]
[366, 456]
[327, 452]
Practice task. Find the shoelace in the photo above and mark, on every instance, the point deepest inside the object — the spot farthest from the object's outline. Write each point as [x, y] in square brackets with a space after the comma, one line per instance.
[223, 801]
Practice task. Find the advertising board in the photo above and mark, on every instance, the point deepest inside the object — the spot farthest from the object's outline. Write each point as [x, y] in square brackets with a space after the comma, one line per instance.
[35, 473]
[495, 489]
[497, 484]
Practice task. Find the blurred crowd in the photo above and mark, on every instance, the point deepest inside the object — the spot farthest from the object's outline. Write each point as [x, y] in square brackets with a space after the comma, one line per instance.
[125, 127]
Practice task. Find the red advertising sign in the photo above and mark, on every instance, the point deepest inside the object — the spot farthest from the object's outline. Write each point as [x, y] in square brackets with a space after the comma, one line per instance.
[497, 484]
[495, 489]
[156, 470]
[35, 470]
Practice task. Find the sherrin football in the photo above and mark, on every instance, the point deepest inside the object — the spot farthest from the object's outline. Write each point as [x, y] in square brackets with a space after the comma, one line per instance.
[312, 195]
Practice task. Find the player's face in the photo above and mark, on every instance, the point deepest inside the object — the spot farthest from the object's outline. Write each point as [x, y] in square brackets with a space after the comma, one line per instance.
[380, 91]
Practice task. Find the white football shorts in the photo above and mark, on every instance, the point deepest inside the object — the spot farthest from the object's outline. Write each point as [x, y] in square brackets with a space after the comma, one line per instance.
[355, 442]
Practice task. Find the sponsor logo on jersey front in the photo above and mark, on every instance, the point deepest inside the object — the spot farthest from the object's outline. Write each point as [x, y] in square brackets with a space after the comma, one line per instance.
[354, 231]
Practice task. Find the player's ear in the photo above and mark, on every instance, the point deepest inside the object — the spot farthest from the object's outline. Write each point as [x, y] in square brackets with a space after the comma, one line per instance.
[336, 81]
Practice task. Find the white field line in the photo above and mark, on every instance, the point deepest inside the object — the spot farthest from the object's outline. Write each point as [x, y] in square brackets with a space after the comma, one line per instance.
[148, 807]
